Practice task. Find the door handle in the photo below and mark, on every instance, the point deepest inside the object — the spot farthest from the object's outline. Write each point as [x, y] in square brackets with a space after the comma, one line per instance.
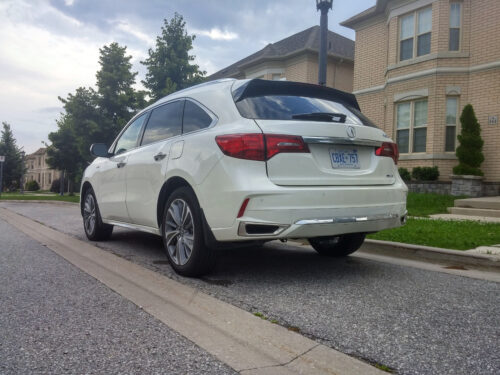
[160, 156]
[121, 164]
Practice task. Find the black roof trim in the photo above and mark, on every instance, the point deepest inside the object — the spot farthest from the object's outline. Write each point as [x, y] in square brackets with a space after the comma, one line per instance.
[261, 87]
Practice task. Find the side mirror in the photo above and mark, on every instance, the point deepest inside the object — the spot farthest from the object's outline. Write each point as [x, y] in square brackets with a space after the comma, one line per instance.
[99, 150]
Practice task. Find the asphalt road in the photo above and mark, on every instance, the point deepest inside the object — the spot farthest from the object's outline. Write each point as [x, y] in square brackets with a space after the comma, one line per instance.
[411, 320]
[55, 319]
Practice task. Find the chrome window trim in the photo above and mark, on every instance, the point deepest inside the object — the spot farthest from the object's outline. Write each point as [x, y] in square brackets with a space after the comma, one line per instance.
[148, 112]
[342, 141]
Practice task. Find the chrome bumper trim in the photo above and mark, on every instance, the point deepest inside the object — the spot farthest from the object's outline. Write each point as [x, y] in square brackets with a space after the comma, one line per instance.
[343, 141]
[347, 219]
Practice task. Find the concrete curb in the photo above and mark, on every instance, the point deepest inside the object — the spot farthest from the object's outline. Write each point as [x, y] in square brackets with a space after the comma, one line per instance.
[433, 254]
[38, 201]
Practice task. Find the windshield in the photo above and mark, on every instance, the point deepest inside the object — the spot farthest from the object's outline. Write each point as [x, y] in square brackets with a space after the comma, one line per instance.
[292, 107]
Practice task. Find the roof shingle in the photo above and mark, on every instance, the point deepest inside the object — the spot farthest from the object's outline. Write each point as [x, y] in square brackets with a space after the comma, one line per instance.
[337, 45]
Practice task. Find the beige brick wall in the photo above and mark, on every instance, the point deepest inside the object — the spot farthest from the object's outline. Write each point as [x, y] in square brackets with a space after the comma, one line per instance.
[377, 50]
[370, 56]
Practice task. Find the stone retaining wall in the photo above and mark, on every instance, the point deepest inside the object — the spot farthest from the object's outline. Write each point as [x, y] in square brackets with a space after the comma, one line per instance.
[488, 189]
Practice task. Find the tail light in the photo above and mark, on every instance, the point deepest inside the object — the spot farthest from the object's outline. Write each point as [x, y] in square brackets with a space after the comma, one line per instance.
[390, 150]
[257, 146]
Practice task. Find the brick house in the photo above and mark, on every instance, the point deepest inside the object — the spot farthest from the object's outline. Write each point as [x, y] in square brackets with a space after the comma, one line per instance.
[296, 59]
[38, 170]
[418, 63]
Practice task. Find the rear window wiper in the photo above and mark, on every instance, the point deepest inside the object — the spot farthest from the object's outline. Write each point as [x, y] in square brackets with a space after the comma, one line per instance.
[321, 116]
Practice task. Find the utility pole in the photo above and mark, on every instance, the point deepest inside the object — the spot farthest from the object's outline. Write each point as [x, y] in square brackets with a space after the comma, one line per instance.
[323, 6]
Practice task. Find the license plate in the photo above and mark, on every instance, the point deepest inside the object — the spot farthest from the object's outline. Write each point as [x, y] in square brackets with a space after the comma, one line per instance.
[344, 158]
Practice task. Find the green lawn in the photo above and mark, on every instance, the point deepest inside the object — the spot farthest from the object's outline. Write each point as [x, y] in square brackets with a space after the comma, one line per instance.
[420, 204]
[39, 196]
[458, 235]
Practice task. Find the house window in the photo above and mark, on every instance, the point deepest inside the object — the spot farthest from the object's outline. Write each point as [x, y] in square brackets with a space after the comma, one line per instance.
[411, 126]
[451, 123]
[455, 20]
[276, 76]
[415, 32]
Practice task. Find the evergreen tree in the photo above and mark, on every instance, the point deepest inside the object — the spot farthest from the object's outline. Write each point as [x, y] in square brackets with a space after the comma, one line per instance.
[13, 165]
[469, 153]
[169, 63]
[117, 99]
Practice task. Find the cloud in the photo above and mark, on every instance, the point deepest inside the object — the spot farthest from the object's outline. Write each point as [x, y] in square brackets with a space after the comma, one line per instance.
[126, 27]
[216, 34]
[69, 2]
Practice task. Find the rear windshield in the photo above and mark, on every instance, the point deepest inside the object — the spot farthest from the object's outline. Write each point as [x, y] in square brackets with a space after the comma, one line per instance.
[289, 107]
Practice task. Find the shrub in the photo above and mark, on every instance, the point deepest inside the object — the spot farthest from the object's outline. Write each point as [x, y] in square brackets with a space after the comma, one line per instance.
[32, 186]
[405, 174]
[469, 153]
[425, 173]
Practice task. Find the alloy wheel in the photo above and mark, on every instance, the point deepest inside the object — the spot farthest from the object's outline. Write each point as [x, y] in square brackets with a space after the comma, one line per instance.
[179, 232]
[89, 214]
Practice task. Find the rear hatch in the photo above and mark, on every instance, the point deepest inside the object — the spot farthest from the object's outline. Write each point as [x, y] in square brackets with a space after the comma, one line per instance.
[340, 142]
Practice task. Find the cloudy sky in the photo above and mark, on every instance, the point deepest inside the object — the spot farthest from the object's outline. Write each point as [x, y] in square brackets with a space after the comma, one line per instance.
[48, 48]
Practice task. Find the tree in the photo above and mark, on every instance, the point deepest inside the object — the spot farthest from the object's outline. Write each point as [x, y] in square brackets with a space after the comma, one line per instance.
[116, 97]
[83, 116]
[92, 116]
[169, 63]
[469, 153]
[13, 166]
[62, 153]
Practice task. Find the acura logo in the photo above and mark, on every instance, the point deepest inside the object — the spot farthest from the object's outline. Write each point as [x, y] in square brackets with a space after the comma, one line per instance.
[351, 132]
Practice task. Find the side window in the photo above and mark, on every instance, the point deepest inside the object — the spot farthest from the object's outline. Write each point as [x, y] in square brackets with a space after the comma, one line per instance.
[164, 122]
[128, 139]
[195, 118]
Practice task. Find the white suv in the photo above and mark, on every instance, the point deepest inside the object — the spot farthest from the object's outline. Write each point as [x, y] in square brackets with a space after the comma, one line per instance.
[250, 160]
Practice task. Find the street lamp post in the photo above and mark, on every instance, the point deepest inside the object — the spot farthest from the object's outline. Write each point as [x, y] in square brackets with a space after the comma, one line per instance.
[21, 187]
[2, 160]
[323, 6]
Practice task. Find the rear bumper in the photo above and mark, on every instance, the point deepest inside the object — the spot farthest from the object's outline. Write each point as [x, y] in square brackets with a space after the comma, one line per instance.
[313, 212]
[293, 211]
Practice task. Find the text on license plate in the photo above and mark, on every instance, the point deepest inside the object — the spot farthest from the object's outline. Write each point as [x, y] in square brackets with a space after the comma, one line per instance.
[346, 158]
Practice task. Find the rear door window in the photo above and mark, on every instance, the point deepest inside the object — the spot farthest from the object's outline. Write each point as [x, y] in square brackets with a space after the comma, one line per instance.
[291, 107]
[165, 122]
[195, 118]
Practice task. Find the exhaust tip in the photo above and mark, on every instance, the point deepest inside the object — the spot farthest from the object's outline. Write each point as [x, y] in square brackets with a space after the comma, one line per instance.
[258, 229]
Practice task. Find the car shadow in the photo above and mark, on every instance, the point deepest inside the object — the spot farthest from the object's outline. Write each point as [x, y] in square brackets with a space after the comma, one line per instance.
[271, 261]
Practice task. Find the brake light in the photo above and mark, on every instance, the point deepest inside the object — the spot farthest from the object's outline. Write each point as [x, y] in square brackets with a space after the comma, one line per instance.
[243, 146]
[251, 146]
[388, 149]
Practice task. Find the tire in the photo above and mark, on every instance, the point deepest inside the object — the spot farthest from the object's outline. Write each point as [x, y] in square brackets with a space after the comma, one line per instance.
[337, 246]
[182, 233]
[95, 229]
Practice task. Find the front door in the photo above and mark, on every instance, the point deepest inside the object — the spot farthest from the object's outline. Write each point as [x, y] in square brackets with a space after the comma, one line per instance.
[111, 191]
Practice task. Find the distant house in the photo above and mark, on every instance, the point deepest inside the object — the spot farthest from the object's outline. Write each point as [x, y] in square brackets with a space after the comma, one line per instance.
[38, 170]
[296, 59]
[418, 63]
